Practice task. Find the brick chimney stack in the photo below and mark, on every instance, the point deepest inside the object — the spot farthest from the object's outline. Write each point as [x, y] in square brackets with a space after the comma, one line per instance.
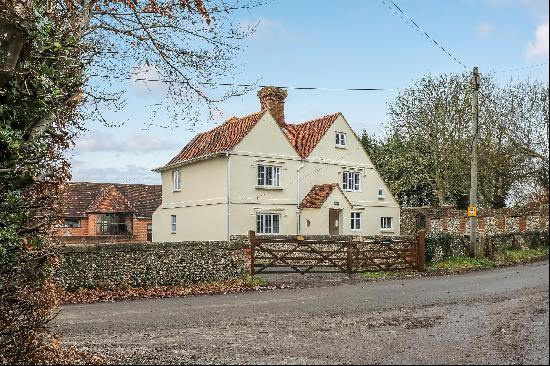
[273, 98]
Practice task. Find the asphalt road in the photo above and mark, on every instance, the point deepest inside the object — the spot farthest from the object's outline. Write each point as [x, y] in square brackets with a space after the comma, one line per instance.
[497, 317]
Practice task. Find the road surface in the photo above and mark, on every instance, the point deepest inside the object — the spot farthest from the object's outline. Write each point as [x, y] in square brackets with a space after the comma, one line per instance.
[498, 316]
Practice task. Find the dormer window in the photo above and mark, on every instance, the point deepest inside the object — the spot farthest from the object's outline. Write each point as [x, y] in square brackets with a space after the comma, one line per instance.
[340, 139]
[176, 178]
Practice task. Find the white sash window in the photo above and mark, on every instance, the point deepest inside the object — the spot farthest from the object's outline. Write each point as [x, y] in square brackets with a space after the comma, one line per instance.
[269, 176]
[351, 181]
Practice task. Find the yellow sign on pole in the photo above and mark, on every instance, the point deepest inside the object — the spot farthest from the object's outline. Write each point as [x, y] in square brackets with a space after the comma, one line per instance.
[472, 211]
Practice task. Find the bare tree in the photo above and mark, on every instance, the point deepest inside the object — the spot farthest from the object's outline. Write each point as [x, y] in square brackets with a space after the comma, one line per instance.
[49, 51]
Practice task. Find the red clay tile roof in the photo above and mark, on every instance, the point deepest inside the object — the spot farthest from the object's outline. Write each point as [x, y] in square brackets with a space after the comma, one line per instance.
[317, 195]
[305, 136]
[221, 138]
[110, 199]
[82, 197]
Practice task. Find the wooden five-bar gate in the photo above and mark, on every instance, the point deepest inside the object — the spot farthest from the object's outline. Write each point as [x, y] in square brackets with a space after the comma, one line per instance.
[283, 254]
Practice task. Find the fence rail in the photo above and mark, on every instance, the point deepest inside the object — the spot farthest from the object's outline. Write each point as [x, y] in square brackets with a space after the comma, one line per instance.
[275, 254]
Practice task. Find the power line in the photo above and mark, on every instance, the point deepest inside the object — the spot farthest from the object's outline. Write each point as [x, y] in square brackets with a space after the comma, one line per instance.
[521, 68]
[419, 29]
[312, 172]
[168, 81]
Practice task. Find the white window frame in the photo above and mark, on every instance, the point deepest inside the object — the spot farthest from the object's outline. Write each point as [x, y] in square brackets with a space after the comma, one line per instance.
[356, 217]
[265, 223]
[176, 180]
[381, 193]
[351, 181]
[173, 224]
[384, 223]
[264, 173]
[340, 139]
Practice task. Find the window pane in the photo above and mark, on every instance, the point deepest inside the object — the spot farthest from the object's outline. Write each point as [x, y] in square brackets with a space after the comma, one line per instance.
[276, 224]
[268, 175]
[261, 175]
[268, 226]
[356, 182]
[259, 226]
[173, 222]
[345, 180]
[276, 176]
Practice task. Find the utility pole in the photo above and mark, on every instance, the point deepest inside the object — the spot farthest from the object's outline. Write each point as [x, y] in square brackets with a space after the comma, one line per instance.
[472, 210]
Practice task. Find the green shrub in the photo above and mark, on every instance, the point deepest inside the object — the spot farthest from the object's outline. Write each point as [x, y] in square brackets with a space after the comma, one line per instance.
[444, 245]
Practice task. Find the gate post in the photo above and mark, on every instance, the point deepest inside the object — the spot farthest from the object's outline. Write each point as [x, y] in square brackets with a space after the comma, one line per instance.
[421, 251]
[252, 241]
[349, 258]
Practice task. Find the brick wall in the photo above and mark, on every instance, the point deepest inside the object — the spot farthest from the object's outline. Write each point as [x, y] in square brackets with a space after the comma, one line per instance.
[490, 221]
[139, 227]
[92, 221]
[87, 233]
[77, 231]
[96, 239]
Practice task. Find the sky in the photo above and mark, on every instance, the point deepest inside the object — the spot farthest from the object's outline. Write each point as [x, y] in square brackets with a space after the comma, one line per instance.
[331, 45]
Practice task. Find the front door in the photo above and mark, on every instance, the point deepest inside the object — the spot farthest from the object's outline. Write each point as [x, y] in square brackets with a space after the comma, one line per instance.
[335, 226]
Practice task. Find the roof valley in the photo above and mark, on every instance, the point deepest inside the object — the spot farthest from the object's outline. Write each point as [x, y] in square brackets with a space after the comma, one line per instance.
[303, 136]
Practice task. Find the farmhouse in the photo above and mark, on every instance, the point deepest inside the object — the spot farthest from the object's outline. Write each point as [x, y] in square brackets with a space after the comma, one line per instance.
[106, 212]
[259, 172]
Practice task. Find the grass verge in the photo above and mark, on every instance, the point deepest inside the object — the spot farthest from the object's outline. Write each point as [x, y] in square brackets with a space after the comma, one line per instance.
[381, 274]
[509, 256]
[460, 263]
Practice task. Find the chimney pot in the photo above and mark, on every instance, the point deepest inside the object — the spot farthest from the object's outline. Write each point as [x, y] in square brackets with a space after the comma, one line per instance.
[273, 99]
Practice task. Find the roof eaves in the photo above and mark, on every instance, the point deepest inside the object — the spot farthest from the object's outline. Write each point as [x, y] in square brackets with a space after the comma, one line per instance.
[190, 161]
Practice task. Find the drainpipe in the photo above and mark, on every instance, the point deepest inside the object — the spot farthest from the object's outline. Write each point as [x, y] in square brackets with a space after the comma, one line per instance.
[298, 210]
[228, 196]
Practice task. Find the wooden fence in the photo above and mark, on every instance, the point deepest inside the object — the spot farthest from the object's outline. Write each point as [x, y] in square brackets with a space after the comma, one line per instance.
[284, 254]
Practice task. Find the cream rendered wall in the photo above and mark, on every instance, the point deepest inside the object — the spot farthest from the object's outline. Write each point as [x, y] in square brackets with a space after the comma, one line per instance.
[203, 181]
[319, 217]
[200, 206]
[265, 144]
[201, 223]
[326, 163]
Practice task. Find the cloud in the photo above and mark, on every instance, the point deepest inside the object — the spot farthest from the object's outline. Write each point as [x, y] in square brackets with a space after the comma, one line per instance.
[484, 30]
[127, 174]
[143, 78]
[538, 48]
[264, 29]
[134, 143]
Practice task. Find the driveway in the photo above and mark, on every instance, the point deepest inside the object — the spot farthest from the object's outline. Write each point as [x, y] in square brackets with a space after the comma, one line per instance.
[498, 317]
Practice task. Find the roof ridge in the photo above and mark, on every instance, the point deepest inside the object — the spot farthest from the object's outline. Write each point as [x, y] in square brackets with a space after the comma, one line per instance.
[316, 119]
